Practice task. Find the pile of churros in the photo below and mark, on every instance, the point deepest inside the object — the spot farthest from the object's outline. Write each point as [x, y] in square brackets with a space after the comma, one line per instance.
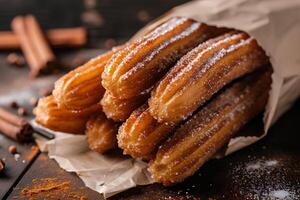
[173, 97]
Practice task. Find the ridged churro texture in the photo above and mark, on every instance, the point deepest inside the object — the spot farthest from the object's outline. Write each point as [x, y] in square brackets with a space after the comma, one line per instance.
[138, 66]
[207, 131]
[51, 116]
[202, 72]
[101, 133]
[82, 87]
[141, 134]
[120, 109]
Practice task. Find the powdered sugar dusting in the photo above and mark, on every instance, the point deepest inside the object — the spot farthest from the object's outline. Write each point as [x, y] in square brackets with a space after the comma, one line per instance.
[266, 179]
[261, 165]
[160, 31]
[280, 194]
[156, 51]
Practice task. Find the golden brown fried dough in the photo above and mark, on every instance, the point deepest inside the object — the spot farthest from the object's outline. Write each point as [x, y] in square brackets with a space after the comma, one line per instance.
[51, 116]
[207, 131]
[202, 72]
[101, 133]
[141, 134]
[138, 66]
[82, 87]
[120, 109]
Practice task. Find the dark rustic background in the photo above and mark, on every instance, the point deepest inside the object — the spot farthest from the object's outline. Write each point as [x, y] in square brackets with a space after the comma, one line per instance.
[117, 19]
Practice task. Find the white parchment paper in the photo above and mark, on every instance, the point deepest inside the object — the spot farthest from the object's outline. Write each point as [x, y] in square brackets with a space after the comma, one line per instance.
[276, 26]
[107, 174]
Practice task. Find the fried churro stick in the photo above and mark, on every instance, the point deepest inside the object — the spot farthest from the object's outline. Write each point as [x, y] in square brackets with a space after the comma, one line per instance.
[207, 131]
[101, 133]
[141, 134]
[82, 87]
[51, 116]
[120, 109]
[138, 66]
[202, 72]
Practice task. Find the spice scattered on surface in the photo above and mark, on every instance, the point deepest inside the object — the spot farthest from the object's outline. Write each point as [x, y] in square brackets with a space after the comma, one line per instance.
[16, 156]
[22, 111]
[183, 198]
[52, 188]
[13, 104]
[12, 149]
[15, 59]
[280, 194]
[262, 178]
[44, 185]
[2, 165]
[33, 153]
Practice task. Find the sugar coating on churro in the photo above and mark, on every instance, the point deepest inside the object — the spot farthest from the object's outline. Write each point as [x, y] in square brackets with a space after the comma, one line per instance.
[82, 87]
[208, 130]
[101, 133]
[202, 72]
[48, 114]
[141, 134]
[138, 66]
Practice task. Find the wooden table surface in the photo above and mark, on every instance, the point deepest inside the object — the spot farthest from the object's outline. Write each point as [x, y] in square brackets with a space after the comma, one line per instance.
[269, 169]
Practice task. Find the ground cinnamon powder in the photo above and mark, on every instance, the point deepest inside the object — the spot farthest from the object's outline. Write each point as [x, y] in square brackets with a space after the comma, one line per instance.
[51, 188]
[34, 150]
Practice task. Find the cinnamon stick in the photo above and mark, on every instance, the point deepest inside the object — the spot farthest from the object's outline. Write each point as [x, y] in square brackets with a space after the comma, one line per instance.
[34, 45]
[67, 37]
[8, 40]
[30, 52]
[60, 37]
[39, 41]
[15, 127]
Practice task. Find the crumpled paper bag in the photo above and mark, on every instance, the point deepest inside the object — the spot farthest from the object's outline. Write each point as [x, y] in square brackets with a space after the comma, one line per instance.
[276, 26]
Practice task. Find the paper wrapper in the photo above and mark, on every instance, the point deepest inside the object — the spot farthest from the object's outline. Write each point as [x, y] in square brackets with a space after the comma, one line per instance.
[276, 26]
[106, 174]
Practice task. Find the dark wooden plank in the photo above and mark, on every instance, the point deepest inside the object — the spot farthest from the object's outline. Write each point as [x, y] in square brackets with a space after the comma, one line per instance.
[15, 165]
[64, 185]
